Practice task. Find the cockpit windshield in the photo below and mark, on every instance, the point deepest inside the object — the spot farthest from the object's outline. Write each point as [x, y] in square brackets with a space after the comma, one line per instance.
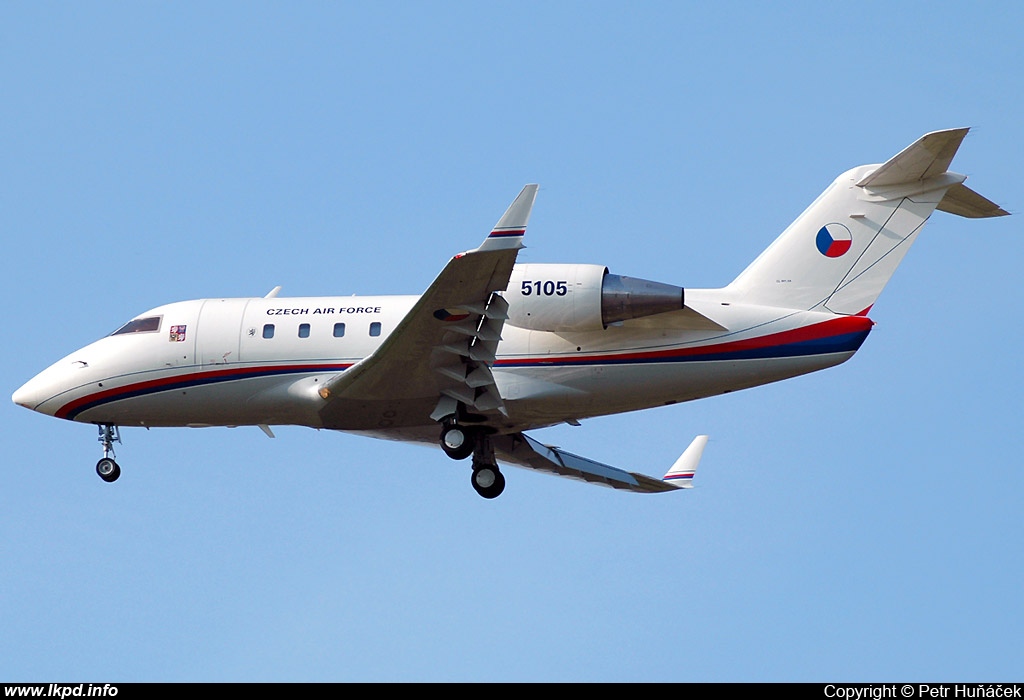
[140, 325]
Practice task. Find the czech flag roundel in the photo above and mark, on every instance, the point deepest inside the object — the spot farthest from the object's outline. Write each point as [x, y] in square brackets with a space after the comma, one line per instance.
[834, 240]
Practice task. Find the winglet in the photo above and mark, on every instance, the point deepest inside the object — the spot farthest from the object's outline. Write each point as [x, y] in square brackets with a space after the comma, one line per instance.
[681, 473]
[509, 231]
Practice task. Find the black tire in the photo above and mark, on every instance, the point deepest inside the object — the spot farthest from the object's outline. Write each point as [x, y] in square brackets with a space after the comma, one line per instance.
[452, 445]
[108, 470]
[488, 481]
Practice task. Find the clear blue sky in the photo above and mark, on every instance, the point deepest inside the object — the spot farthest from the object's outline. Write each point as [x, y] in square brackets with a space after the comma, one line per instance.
[863, 523]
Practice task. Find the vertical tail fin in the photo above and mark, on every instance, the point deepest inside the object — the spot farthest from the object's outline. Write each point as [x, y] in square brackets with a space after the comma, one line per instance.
[839, 254]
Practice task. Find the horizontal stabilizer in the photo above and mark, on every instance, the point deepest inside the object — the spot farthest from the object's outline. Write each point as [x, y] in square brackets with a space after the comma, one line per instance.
[927, 157]
[963, 201]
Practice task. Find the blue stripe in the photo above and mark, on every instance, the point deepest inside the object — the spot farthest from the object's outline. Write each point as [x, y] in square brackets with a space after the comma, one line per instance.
[848, 342]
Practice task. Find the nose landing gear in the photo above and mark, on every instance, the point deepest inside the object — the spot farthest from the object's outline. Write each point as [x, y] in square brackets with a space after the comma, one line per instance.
[107, 468]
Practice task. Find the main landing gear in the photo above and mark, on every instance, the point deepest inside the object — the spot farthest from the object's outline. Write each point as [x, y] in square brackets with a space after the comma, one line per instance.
[487, 480]
[459, 441]
[107, 468]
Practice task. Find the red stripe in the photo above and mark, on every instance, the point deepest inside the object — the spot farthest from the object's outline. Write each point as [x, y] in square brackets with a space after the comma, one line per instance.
[816, 331]
[155, 384]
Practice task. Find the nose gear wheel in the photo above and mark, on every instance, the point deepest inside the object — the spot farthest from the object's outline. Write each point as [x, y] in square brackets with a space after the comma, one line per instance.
[108, 469]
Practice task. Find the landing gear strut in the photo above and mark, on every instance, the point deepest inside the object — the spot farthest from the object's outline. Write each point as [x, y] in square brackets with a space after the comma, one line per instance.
[107, 468]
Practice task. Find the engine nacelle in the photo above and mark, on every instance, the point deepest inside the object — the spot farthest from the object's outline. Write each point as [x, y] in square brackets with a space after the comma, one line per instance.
[545, 297]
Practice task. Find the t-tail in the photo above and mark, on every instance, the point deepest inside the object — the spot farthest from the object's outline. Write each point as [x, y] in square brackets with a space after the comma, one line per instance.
[839, 254]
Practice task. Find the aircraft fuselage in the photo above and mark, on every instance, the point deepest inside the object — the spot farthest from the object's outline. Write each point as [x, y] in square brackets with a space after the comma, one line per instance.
[259, 361]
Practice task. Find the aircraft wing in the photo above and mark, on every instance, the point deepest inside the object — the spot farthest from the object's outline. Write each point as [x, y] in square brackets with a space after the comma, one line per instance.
[444, 346]
[522, 450]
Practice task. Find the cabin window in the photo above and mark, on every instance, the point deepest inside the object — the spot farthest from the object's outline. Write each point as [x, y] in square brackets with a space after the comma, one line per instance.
[303, 330]
[375, 328]
[140, 325]
[268, 330]
[339, 330]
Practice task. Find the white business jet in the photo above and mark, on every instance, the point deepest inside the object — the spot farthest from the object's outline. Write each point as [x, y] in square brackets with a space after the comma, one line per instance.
[493, 349]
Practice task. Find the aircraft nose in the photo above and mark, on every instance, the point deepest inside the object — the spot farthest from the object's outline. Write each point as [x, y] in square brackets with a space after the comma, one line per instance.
[35, 394]
[47, 391]
[29, 395]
